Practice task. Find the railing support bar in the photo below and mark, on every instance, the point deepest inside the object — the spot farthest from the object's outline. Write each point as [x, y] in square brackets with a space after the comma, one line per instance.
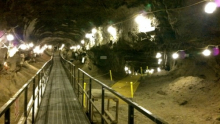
[78, 83]
[25, 103]
[130, 114]
[38, 86]
[7, 116]
[74, 78]
[33, 107]
[82, 89]
[103, 104]
[90, 97]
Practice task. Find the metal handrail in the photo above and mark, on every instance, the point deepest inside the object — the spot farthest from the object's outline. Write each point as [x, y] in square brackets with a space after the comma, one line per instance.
[5, 109]
[131, 105]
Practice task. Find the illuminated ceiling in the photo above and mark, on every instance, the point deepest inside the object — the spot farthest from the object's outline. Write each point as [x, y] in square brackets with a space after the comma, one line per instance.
[69, 20]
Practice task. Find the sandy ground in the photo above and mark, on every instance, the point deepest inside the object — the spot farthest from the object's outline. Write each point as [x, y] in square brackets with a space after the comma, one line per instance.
[180, 100]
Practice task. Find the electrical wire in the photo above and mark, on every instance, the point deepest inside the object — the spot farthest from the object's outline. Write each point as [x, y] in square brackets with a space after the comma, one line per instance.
[163, 10]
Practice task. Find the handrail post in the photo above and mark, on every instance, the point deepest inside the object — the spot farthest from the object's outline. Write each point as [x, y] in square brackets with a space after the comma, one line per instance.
[82, 88]
[130, 114]
[78, 82]
[38, 86]
[71, 69]
[103, 104]
[7, 116]
[25, 103]
[74, 78]
[33, 107]
[90, 97]
[41, 76]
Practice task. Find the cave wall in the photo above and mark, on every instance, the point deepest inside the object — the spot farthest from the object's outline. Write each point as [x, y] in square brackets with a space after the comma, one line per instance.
[180, 25]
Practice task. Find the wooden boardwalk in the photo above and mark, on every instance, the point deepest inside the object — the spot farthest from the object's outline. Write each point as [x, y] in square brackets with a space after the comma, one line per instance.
[59, 104]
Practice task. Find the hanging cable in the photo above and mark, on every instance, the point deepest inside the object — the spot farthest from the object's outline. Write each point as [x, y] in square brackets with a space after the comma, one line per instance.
[163, 10]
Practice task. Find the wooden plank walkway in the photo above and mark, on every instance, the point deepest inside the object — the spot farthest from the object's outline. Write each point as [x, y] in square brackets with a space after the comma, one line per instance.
[59, 103]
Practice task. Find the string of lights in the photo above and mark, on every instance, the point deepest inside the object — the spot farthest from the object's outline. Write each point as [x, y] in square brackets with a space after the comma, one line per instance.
[172, 9]
[144, 25]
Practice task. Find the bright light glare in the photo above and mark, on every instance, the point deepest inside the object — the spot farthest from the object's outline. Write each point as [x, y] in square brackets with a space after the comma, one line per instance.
[158, 55]
[45, 46]
[49, 47]
[5, 64]
[210, 7]
[36, 49]
[83, 59]
[88, 36]
[30, 44]
[61, 47]
[73, 48]
[206, 52]
[151, 71]
[91, 38]
[158, 69]
[12, 51]
[159, 61]
[113, 32]
[23, 46]
[78, 46]
[82, 41]
[126, 68]
[10, 37]
[87, 47]
[147, 71]
[42, 49]
[144, 24]
[94, 31]
[152, 37]
[175, 56]
[39, 50]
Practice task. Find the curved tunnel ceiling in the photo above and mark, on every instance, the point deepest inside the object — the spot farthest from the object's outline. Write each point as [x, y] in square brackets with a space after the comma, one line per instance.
[69, 20]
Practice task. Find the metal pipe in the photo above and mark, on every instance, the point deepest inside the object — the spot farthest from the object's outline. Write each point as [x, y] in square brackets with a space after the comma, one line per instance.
[33, 96]
[25, 103]
[90, 97]
[7, 116]
[103, 104]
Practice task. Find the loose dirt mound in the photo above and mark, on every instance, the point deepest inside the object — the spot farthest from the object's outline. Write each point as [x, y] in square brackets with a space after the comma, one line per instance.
[189, 94]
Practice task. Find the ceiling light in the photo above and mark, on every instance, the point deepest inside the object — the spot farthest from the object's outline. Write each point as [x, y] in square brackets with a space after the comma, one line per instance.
[30, 44]
[158, 55]
[144, 24]
[206, 52]
[159, 61]
[158, 69]
[10, 37]
[210, 7]
[23, 46]
[175, 56]
[94, 31]
[78, 46]
[126, 68]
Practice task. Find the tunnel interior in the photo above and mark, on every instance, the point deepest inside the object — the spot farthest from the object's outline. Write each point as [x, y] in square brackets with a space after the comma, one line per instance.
[127, 37]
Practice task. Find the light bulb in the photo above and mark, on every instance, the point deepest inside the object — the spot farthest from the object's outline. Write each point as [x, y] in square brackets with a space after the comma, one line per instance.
[210, 7]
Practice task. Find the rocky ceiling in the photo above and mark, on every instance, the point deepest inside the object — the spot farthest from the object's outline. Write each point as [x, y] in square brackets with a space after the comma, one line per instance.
[58, 18]
[68, 20]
